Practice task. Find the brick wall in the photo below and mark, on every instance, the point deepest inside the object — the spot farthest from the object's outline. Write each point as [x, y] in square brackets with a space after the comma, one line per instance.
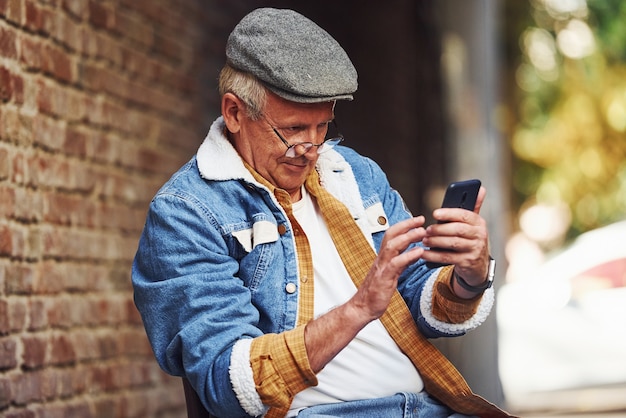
[100, 101]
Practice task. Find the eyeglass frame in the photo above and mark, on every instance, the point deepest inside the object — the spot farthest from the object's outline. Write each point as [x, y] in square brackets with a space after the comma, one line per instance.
[291, 148]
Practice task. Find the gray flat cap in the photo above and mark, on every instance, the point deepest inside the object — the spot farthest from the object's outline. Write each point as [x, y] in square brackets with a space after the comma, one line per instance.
[292, 56]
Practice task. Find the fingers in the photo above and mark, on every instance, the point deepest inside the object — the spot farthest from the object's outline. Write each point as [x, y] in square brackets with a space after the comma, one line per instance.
[373, 296]
[462, 240]
[399, 236]
[482, 192]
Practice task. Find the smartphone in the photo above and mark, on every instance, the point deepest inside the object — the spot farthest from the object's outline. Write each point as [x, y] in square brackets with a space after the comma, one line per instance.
[460, 194]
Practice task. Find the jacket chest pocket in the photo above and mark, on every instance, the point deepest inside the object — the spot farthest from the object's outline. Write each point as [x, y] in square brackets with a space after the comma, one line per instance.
[256, 248]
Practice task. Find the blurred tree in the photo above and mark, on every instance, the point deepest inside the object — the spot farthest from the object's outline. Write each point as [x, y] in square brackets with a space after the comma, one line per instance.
[569, 137]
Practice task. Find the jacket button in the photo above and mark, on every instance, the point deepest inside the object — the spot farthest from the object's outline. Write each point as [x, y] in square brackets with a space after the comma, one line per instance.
[382, 220]
[282, 229]
[290, 288]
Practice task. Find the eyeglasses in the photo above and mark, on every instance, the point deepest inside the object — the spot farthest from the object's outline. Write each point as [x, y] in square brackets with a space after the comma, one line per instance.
[301, 148]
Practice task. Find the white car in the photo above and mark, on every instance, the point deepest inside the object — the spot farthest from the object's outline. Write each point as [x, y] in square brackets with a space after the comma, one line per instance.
[565, 327]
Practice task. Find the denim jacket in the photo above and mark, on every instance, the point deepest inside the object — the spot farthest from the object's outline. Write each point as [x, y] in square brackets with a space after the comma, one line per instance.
[217, 264]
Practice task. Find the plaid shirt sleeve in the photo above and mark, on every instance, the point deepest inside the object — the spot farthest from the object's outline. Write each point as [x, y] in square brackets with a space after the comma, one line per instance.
[447, 306]
[280, 367]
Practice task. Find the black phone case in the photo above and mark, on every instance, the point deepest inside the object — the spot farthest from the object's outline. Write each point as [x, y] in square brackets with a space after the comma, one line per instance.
[461, 194]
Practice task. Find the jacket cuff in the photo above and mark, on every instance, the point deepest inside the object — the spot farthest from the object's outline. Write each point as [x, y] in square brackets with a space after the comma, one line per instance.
[242, 379]
[448, 313]
[268, 371]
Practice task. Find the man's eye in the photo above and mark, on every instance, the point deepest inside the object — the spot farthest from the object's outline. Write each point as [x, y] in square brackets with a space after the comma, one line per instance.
[292, 130]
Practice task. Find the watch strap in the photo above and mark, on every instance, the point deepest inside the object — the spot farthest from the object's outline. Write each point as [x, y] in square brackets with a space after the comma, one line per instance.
[484, 285]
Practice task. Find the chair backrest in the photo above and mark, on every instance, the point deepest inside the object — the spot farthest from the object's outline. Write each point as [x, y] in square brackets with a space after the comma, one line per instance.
[195, 409]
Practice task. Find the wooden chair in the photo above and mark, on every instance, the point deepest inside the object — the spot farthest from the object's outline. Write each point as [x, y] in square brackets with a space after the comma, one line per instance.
[195, 409]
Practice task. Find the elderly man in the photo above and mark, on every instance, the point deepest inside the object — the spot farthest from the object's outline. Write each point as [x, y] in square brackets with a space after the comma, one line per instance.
[282, 275]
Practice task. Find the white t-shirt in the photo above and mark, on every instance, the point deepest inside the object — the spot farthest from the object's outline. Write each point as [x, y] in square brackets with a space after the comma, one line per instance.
[372, 365]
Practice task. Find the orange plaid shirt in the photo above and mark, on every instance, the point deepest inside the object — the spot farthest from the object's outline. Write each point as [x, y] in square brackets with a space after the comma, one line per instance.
[279, 361]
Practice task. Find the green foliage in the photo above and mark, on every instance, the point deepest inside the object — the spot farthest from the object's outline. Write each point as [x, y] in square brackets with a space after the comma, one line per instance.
[570, 142]
[608, 21]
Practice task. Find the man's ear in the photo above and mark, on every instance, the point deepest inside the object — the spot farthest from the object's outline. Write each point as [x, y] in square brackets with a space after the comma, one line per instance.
[232, 110]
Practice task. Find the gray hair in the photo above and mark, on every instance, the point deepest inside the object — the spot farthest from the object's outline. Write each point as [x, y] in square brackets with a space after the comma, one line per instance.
[245, 86]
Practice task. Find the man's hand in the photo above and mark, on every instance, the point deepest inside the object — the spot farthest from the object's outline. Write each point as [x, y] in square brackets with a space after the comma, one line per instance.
[328, 334]
[461, 240]
[374, 295]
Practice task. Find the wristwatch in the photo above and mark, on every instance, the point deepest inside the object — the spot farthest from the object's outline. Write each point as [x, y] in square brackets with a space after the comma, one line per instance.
[484, 285]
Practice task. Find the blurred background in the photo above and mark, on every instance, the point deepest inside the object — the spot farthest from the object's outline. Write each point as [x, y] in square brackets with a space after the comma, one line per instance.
[101, 101]
[530, 97]
[562, 311]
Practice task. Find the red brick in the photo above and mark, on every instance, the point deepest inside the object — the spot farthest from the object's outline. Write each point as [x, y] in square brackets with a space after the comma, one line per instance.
[59, 313]
[76, 142]
[169, 47]
[5, 389]
[62, 209]
[48, 20]
[58, 383]
[16, 126]
[73, 409]
[47, 171]
[20, 279]
[86, 345]
[108, 346]
[28, 204]
[136, 405]
[19, 237]
[151, 10]
[31, 53]
[108, 49]
[100, 15]
[4, 317]
[107, 408]
[34, 354]
[7, 202]
[49, 133]
[6, 86]
[17, 83]
[6, 243]
[132, 313]
[17, 313]
[101, 378]
[37, 315]
[20, 174]
[68, 32]
[5, 166]
[8, 353]
[135, 343]
[33, 16]
[134, 29]
[13, 11]
[27, 387]
[57, 63]
[62, 350]
[60, 102]
[20, 413]
[50, 279]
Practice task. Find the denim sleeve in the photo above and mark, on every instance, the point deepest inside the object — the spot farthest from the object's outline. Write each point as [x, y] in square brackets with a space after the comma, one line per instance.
[181, 265]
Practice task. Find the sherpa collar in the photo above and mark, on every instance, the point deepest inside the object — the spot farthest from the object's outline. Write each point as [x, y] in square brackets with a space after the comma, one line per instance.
[218, 160]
